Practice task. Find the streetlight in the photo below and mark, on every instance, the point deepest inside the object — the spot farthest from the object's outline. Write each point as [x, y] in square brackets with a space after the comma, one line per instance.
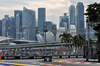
[88, 39]
[46, 58]
[45, 30]
[90, 24]
[45, 40]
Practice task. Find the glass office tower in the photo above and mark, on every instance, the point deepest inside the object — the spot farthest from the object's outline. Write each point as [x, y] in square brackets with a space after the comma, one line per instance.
[64, 22]
[15, 14]
[41, 20]
[19, 25]
[72, 15]
[28, 24]
[80, 18]
[8, 27]
[5, 22]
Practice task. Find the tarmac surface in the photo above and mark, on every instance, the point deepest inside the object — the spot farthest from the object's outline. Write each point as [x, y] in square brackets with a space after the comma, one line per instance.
[55, 62]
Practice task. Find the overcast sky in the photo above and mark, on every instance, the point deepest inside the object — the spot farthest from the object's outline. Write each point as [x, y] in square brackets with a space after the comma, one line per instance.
[54, 8]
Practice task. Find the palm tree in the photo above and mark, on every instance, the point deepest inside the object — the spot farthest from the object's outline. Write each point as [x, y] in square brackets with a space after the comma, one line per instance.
[92, 43]
[63, 37]
[66, 37]
[79, 40]
[76, 41]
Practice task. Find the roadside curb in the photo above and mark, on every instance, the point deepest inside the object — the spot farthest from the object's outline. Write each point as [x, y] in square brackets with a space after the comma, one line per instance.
[69, 61]
[16, 64]
[49, 64]
[1, 60]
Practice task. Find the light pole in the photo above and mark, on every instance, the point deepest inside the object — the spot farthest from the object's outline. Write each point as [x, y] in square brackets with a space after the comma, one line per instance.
[45, 41]
[90, 24]
[45, 30]
[88, 53]
[88, 39]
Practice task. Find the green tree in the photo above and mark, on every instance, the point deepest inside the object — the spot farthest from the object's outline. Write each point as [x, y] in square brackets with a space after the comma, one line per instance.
[76, 41]
[79, 40]
[93, 14]
[66, 37]
[92, 43]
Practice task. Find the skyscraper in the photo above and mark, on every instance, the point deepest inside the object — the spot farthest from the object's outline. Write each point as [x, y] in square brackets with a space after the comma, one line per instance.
[19, 25]
[12, 29]
[8, 25]
[29, 23]
[63, 21]
[61, 24]
[0, 27]
[80, 18]
[5, 22]
[41, 19]
[72, 15]
[54, 29]
[15, 13]
[49, 25]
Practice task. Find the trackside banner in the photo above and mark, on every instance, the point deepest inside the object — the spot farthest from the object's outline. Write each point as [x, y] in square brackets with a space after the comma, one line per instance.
[35, 57]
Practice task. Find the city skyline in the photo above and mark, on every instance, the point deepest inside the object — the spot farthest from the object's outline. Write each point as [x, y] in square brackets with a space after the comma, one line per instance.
[53, 11]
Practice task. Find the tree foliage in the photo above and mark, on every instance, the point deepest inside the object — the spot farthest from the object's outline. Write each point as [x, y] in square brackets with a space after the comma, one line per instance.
[66, 38]
[93, 14]
[79, 40]
[92, 43]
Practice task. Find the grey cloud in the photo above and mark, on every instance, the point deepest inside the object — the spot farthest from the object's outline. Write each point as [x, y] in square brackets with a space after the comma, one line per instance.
[10, 3]
[84, 1]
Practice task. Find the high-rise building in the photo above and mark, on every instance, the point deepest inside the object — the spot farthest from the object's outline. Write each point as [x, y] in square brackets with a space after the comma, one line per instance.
[15, 13]
[5, 22]
[61, 24]
[0, 27]
[36, 33]
[41, 20]
[80, 18]
[72, 15]
[12, 28]
[54, 29]
[19, 25]
[36, 27]
[48, 25]
[8, 25]
[28, 23]
[64, 21]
